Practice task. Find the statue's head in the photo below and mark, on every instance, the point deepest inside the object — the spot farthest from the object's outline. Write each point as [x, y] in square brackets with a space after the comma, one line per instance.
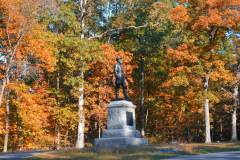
[119, 59]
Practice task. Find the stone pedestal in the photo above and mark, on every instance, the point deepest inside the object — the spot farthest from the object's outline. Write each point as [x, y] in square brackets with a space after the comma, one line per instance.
[121, 126]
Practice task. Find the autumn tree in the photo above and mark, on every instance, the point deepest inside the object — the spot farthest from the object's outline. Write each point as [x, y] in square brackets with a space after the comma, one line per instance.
[21, 42]
[207, 22]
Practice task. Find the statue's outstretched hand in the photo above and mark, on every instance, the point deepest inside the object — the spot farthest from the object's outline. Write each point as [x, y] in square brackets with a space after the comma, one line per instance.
[124, 76]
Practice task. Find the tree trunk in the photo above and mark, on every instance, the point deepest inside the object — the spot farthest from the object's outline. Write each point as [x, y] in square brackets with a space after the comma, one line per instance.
[175, 128]
[81, 123]
[142, 98]
[187, 128]
[57, 123]
[2, 91]
[198, 131]
[207, 122]
[19, 127]
[7, 125]
[80, 135]
[58, 135]
[221, 130]
[206, 109]
[146, 118]
[235, 103]
[99, 131]
[99, 127]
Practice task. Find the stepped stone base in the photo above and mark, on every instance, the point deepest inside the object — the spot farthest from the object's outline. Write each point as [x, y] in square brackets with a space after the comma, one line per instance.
[119, 142]
[121, 133]
[121, 127]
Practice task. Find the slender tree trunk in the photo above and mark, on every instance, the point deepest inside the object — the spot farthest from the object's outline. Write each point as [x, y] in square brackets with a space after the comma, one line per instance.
[57, 123]
[207, 122]
[198, 131]
[5, 79]
[3, 89]
[187, 128]
[81, 123]
[179, 124]
[206, 109]
[58, 135]
[175, 128]
[99, 131]
[7, 125]
[80, 135]
[221, 130]
[142, 98]
[19, 142]
[99, 127]
[235, 103]
[146, 118]
[19, 127]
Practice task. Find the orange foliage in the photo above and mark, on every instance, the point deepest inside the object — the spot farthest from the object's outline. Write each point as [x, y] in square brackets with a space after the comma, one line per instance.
[211, 13]
[179, 15]
[25, 55]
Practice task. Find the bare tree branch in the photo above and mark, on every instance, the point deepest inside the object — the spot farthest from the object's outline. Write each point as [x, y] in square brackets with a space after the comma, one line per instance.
[121, 28]
[223, 89]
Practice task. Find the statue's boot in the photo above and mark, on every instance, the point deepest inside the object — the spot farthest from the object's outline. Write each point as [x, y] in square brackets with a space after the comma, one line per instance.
[117, 93]
[125, 94]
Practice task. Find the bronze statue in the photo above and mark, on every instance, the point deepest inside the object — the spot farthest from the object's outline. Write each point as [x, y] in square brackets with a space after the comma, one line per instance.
[118, 71]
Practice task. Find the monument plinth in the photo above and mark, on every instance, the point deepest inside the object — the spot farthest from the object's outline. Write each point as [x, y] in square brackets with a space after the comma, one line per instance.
[121, 126]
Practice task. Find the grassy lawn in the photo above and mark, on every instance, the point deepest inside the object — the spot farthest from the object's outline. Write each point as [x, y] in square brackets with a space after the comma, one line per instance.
[137, 153]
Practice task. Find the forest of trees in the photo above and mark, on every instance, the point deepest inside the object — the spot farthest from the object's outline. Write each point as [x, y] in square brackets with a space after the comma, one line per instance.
[181, 58]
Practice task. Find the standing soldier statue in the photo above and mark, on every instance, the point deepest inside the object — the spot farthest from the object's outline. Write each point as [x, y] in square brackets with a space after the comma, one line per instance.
[118, 71]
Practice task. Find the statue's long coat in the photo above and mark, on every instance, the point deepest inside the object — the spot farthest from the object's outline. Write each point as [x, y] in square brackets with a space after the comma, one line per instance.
[118, 71]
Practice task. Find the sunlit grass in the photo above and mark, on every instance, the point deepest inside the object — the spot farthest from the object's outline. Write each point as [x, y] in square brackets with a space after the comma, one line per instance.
[145, 153]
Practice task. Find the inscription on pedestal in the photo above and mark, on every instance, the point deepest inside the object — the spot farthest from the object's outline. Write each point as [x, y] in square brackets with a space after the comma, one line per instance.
[129, 118]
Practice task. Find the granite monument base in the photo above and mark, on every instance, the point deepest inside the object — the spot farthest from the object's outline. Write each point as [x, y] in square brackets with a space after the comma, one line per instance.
[120, 142]
[121, 133]
[121, 127]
